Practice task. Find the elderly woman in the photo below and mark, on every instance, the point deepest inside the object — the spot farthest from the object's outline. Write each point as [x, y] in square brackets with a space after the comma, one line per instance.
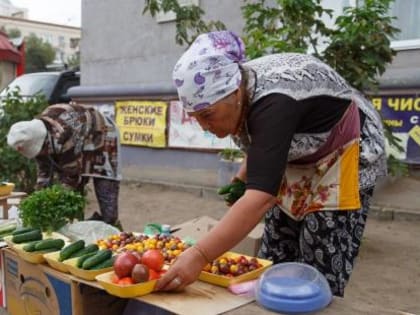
[74, 143]
[314, 145]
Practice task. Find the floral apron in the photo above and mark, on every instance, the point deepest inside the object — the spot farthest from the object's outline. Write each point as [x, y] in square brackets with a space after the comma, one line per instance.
[328, 178]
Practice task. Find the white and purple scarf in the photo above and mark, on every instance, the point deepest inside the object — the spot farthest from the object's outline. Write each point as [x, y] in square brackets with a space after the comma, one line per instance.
[209, 70]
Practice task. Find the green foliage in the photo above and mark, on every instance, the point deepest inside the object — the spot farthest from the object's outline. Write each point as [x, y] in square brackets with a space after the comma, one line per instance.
[51, 208]
[189, 19]
[395, 166]
[73, 61]
[360, 45]
[38, 54]
[14, 33]
[13, 166]
[231, 154]
[291, 26]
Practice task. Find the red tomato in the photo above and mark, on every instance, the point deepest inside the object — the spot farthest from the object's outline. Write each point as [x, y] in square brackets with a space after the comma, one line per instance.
[124, 264]
[114, 278]
[153, 259]
[125, 281]
[153, 274]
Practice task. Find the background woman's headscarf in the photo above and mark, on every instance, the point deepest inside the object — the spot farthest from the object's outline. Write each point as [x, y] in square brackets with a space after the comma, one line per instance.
[209, 70]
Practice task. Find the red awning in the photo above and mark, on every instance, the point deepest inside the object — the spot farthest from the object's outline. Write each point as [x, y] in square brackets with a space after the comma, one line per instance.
[7, 51]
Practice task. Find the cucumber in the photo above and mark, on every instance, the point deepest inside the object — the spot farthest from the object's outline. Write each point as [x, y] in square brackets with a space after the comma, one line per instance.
[8, 228]
[96, 259]
[49, 243]
[82, 259]
[105, 264]
[91, 248]
[224, 189]
[237, 192]
[30, 247]
[70, 249]
[21, 230]
[34, 235]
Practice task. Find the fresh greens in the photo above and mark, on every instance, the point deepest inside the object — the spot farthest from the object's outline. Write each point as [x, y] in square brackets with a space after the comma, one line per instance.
[51, 208]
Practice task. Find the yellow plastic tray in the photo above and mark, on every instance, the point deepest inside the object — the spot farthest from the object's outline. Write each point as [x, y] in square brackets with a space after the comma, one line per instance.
[6, 188]
[124, 291]
[225, 281]
[52, 260]
[8, 241]
[81, 273]
[32, 257]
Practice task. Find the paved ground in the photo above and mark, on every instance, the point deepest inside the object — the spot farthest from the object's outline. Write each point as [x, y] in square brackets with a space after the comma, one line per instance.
[394, 198]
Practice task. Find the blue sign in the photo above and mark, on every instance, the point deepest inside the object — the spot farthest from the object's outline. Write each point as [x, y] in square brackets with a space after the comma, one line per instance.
[402, 114]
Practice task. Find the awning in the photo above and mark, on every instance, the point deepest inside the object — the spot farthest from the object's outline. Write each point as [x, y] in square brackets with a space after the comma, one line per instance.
[7, 51]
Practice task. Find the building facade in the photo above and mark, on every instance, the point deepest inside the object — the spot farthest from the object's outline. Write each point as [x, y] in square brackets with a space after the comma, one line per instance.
[132, 58]
[64, 39]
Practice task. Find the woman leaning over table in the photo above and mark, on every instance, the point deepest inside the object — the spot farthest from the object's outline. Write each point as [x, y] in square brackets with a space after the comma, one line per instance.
[315, 149]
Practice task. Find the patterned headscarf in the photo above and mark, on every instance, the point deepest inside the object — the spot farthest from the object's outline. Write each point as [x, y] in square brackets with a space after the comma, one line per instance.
[209, 70]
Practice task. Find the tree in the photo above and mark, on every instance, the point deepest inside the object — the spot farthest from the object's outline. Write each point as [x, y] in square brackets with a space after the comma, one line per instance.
[73, 61]
[38, 54]
[13, 33]
[14, 167]
[357, 47]
[189, 19]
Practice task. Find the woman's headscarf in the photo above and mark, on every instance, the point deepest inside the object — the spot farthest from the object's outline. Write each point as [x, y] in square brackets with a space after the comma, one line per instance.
[209, 70]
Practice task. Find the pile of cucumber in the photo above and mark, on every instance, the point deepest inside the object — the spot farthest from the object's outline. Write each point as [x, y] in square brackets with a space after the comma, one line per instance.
[89, 257]
[34, 242]
[101, 259]
[7, 229]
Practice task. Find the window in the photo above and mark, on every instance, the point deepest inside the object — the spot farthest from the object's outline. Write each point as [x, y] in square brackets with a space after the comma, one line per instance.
[61, 41]
[407, 13]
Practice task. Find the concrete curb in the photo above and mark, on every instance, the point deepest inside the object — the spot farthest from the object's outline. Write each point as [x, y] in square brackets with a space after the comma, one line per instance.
[376, 211]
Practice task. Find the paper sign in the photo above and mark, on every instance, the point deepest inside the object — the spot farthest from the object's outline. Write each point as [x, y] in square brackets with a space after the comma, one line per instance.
[185, 132]
[142, 123]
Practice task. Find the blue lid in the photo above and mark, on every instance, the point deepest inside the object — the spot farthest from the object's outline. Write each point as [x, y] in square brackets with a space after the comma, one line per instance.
[292, 294]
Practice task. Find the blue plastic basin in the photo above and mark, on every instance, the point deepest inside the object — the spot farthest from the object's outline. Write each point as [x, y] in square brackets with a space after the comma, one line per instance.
[293, 288]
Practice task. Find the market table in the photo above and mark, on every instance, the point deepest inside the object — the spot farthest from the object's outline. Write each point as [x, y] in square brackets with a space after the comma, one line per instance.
[5, 204]
[31, 288]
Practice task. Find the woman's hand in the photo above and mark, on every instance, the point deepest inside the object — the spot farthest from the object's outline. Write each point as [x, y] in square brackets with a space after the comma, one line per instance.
[184, 271]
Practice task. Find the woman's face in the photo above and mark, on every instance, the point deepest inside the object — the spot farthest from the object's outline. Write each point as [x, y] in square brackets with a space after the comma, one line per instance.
[221, 118]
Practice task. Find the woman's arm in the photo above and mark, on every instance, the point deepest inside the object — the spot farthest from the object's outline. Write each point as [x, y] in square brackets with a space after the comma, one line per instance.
[241, 218]
[241, 174]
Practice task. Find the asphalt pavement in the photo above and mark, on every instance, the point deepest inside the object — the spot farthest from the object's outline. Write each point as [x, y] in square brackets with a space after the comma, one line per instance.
[394, 198]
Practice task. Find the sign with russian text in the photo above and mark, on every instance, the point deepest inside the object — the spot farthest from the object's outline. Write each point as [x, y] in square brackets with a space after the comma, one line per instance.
[402, 114]
[185, 132]
[141, 123]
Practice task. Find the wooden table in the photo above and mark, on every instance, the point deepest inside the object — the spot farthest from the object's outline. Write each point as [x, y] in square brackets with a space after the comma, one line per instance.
[4, 201]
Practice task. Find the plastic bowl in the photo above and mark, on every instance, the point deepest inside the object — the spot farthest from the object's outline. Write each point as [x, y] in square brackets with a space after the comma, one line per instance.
[293, 288]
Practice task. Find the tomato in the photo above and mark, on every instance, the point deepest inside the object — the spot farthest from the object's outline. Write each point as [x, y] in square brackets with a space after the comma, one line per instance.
[140, 273]
[124, 264]
[153, 274]
[114, 278]
[153, 259]
[125, 281]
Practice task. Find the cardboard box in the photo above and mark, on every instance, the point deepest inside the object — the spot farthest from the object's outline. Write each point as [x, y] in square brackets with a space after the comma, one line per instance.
[33, 289]
[2, 298]
[198, 227]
